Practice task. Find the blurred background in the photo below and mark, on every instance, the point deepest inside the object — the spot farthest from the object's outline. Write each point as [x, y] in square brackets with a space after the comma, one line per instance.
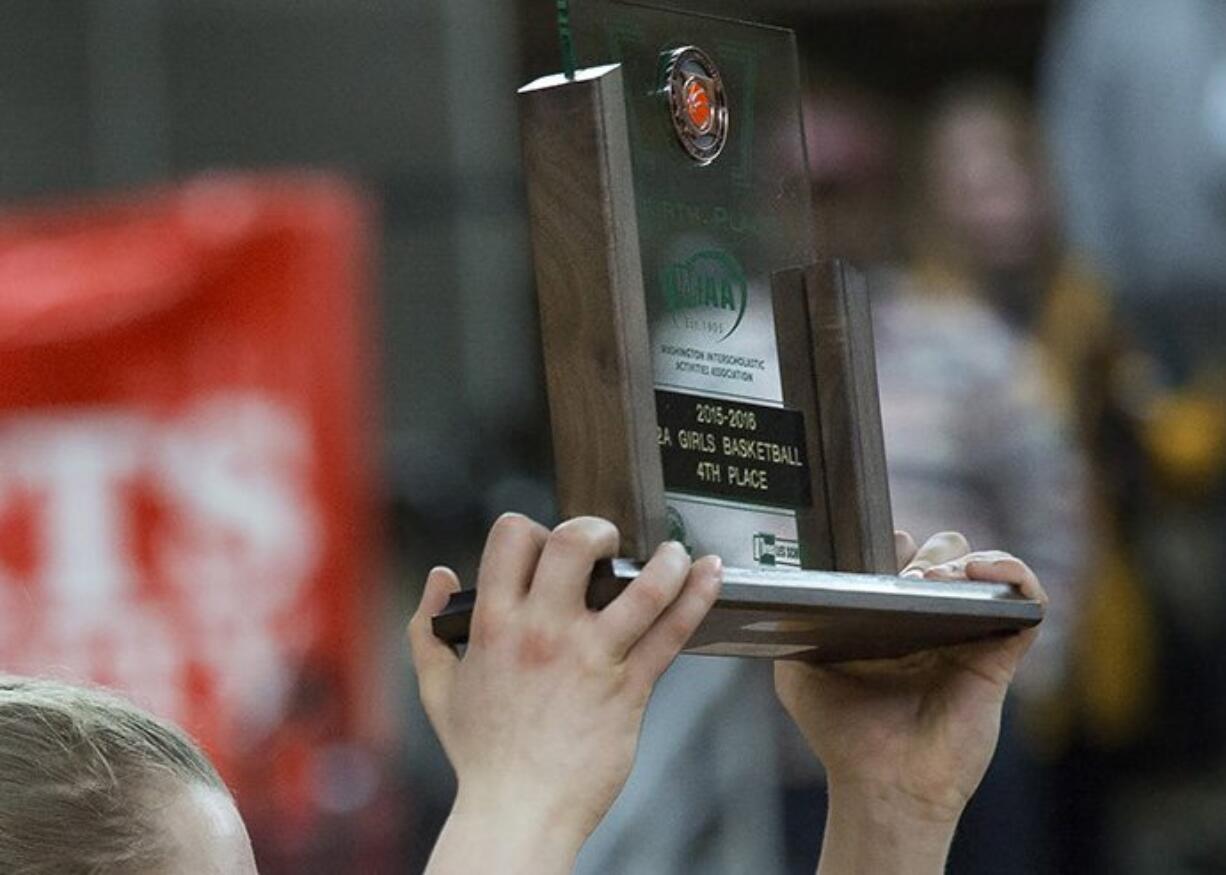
[268, 351]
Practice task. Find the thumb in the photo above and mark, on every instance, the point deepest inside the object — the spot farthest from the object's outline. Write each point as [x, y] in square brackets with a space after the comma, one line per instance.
[433, 660]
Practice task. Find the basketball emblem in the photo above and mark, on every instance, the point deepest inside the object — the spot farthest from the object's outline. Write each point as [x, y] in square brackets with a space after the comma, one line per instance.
[697, 102]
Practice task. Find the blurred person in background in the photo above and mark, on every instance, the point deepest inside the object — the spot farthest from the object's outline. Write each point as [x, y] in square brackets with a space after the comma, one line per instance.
[1135, 97]
[851, 139]
[986, 229]
[979, 426]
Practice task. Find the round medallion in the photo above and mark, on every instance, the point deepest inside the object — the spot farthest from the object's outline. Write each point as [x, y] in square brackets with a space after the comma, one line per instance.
[697, 102]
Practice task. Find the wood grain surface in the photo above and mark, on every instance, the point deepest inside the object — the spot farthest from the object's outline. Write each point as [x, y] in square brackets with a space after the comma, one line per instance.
[798, 375]
[850, 411]
[593, 313]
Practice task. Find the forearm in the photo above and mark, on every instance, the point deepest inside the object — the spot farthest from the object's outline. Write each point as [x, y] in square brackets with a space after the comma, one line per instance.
[507, 840]
[871, 834]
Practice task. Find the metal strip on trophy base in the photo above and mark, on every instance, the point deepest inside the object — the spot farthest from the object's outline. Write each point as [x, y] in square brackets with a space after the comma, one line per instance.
[817, 616]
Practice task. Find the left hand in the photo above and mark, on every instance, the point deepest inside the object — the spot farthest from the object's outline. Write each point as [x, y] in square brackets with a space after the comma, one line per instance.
[911, 738]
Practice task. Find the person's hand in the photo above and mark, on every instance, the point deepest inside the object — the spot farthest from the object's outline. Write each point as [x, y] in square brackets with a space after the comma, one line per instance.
[905, 742]
[541, 717]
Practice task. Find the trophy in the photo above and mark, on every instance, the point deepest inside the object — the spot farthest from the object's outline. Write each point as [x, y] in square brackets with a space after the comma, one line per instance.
[711, 378]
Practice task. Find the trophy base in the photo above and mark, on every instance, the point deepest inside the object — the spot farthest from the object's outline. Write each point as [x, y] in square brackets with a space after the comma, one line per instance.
[816, 616]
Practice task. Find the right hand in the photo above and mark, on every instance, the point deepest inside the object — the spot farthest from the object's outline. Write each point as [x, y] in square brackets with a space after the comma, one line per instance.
[541, 717]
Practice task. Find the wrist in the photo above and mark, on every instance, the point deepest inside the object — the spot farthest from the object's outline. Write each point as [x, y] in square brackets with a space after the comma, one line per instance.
[874, 828]
[485, 833]
[888, 794]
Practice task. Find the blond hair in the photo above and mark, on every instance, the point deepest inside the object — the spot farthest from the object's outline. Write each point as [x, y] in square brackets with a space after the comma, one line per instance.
[81, 775]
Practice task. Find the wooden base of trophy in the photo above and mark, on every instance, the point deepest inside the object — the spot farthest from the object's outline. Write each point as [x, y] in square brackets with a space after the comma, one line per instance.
[603, 411]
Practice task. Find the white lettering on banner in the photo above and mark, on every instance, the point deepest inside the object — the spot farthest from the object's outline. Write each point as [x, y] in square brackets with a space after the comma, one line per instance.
[77, 468]
[234, 471]
[131, 599]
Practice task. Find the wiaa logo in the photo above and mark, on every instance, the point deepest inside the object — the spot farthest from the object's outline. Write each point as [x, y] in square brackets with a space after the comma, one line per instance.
[706, 292]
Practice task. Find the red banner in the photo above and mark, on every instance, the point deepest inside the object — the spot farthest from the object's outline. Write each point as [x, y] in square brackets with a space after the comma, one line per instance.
[184, 443]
